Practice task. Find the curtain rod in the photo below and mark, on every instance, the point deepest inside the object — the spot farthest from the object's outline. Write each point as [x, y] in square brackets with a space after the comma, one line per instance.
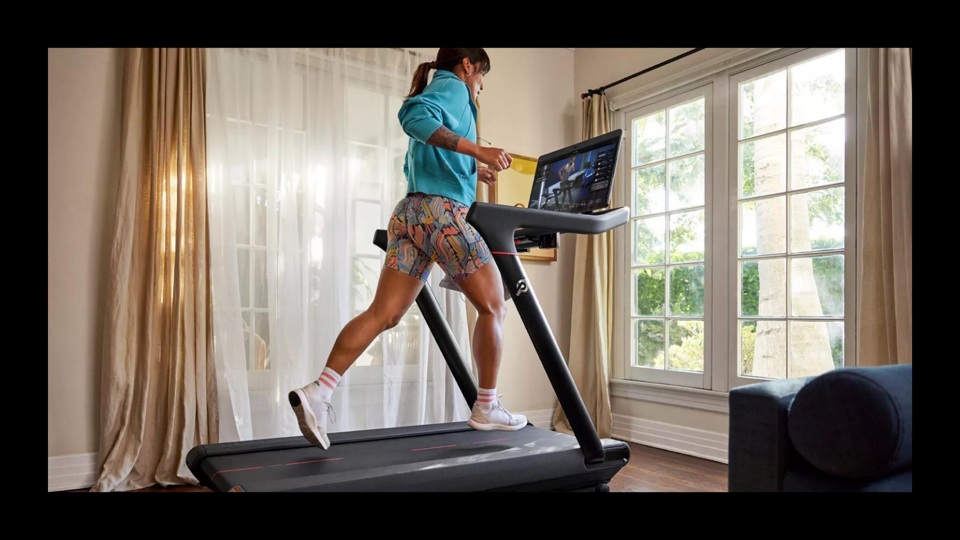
[637, 74]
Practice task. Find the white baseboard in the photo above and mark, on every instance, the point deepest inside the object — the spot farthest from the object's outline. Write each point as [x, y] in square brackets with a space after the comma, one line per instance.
[77, 471]
[700, 443]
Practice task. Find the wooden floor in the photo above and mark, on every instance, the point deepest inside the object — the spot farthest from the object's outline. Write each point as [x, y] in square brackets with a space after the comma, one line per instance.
[650, 469]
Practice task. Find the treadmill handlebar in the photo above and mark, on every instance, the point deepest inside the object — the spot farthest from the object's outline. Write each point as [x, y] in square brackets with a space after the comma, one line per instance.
[496, 221]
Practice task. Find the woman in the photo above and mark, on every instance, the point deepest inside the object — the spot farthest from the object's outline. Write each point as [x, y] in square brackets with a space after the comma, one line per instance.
[429, 225]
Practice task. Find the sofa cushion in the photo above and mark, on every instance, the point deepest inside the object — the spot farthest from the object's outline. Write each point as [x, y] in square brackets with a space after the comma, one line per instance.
[855, 422]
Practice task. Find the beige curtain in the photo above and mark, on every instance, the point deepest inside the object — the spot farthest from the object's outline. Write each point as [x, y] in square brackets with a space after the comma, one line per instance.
[158, 394]
[885, 236]
[591, 321]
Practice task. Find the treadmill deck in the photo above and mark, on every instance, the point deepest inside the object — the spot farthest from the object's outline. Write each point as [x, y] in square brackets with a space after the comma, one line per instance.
[440, 457]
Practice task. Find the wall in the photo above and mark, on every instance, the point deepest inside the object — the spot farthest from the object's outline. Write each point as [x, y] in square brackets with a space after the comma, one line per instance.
[83, 144]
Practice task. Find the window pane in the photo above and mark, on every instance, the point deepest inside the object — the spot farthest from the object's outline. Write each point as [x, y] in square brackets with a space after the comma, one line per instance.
[365, 115]
[296, 90]
[763, 227]
[763, 288]
[260, 216]
[649, 339]
[366, 220]
[763, 166]
[817, 88]
[260, 279]
[651, 190]
[686, 346]
[373, 356]
[301, 211]
[261, 342]
[295, 159]
[763, 349]
[763, 105]
[686, 182]
[651, 291]
[686, 290]
[261, 91]
[687, 127]
[816, 220]
[686, 236]
[815, 348]
[363, 172]
[816, 286]
[649, 238]
[241, 213]
[398, 140]
[243, 273]
[366, 274]
[651, 136]
[260, 152]
[816, 155]
[247, 326]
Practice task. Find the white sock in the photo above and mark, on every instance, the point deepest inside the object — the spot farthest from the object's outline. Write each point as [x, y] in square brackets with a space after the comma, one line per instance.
[327, 382]
[487, 397]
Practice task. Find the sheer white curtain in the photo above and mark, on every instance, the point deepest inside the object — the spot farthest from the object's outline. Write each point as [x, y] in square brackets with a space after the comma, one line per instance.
[306, 162]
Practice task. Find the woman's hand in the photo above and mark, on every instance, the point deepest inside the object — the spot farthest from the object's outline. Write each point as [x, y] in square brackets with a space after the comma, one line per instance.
[496, 158]
[487, 176]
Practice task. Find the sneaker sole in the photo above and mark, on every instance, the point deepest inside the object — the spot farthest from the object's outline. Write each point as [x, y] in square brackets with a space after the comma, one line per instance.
[494, 427]
[306, 419]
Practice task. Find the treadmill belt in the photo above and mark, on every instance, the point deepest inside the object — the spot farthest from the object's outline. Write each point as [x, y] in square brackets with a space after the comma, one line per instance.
[400, 456]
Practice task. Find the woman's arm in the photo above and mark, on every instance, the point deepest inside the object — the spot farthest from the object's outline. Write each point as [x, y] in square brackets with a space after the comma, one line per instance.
[420, 117]
[495, 157]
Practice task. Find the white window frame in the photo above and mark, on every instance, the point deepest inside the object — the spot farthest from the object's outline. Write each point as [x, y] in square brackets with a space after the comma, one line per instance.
[720, 370]
[654, 375]
[850, 201]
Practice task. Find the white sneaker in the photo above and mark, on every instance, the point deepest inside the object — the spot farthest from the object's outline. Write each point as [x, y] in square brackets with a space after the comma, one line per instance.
[312, 413]
[495, 418]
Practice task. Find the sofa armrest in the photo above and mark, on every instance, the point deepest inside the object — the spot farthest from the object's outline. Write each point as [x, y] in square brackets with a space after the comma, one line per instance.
[759, 444]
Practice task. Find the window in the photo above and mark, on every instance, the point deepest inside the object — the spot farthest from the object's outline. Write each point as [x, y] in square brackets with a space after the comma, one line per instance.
[376, 149]
[668, 181]
[769, 218]
[792, 153]
[372, 168]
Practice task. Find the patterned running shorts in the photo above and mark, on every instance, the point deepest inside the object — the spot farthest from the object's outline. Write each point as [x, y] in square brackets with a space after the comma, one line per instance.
[429, 228]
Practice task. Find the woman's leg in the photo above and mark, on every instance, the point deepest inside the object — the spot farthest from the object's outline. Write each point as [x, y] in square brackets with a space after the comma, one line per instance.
[311, 404]
[484, 289]
[396, 291]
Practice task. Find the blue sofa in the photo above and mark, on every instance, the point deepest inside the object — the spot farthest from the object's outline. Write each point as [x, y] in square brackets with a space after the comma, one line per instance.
[846, 430]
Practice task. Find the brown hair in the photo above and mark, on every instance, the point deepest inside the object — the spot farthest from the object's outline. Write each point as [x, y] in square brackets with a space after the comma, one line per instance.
[447, 59]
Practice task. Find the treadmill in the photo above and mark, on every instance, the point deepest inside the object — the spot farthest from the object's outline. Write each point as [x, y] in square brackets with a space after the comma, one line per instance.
[453, 456]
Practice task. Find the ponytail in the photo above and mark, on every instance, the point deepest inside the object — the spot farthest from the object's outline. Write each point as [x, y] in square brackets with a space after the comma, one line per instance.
[447, 59]
[420, 78]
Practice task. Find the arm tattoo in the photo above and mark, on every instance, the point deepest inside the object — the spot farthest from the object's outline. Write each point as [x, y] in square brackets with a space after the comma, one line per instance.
[444, 138]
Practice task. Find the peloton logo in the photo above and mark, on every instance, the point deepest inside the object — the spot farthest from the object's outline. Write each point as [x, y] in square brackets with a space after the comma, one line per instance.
[521, 287]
